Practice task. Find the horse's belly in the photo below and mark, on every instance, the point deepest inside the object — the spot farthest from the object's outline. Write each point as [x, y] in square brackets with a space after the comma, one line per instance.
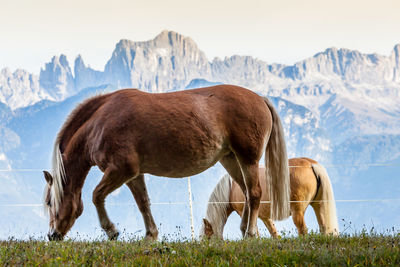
[181, 162]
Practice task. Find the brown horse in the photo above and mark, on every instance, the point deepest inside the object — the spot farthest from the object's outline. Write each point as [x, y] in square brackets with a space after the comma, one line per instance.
[309, 184]
[128, 133]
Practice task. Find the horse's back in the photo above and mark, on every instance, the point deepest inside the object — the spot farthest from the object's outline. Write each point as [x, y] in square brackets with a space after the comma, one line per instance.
[220, 104]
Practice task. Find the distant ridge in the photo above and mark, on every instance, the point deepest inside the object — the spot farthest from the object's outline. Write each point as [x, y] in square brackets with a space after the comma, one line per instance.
[171, 61]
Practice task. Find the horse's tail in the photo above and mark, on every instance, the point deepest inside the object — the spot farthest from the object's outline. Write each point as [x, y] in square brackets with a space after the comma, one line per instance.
[327, 205]
[218, 206]
[276, 168]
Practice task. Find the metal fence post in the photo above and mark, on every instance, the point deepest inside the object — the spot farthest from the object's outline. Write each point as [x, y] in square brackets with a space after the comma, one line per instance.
[191, 208]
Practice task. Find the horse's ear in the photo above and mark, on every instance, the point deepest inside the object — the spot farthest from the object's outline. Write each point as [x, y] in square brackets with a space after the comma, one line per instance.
[48, 177]
[208, 230]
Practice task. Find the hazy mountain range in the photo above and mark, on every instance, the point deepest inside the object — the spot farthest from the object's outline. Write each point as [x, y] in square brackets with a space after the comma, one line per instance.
[340, 107]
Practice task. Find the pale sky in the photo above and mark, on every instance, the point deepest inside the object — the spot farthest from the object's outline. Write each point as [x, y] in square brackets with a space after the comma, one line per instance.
[281, 31]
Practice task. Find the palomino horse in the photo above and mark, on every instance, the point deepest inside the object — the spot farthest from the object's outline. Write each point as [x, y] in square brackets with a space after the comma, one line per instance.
[128, 133]
[309, 184]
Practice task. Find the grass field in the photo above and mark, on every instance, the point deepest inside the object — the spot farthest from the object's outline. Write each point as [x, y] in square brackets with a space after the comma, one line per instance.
[360, 250]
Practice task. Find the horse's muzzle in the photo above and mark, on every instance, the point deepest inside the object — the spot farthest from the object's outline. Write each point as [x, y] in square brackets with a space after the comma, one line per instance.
[53, 235]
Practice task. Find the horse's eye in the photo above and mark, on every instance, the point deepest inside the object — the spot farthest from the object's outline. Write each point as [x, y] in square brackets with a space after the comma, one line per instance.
[48, 203]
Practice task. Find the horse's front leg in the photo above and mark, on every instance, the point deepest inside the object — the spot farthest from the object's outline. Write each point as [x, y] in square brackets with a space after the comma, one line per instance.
[111, 180]
[139, 192]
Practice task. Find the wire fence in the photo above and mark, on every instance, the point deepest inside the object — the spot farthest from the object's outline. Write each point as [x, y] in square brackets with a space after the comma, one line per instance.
[190, 201]
[292, 166]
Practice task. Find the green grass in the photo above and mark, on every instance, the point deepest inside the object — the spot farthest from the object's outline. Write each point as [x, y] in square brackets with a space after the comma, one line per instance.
[360, 250]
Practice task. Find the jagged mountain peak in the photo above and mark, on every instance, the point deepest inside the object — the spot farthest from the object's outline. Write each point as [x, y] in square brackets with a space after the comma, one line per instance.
[79, 60]
[20, 88]
[79, 65]
[84, 75]
[348, 66]
[396, 55]
[167, 35]
[164, 39]
[349, 56]
[166, 62]
[59, 60]
[56, 78]
[396, 49]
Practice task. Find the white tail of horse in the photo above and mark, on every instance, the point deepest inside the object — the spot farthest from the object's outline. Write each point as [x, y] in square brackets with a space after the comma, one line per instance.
[58, 174]
[327, 206]
[217, 212]
[276, 168]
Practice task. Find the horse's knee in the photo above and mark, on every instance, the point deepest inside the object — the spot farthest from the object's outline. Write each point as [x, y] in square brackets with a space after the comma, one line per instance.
[256, 192]
[97, 198]
[255, 196]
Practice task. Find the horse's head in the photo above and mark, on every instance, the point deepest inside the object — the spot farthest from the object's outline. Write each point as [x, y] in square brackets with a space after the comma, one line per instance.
[63, 206]
[207, 229]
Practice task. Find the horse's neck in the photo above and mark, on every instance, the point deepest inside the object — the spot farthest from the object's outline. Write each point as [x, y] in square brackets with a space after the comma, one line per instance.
[76, 171]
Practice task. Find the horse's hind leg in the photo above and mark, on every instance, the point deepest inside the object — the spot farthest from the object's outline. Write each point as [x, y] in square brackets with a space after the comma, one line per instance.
[139, 192]
[319, 213]
[231, 165]
[253, 191]
[298, 220]
[111, 180]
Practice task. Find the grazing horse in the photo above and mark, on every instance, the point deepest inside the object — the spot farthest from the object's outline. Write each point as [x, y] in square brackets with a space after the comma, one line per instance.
[309, 185]
[128, 133]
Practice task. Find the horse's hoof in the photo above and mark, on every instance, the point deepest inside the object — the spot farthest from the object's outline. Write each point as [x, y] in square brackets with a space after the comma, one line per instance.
[151, 238]
[248, 234]
[151, 235]
[112, 234]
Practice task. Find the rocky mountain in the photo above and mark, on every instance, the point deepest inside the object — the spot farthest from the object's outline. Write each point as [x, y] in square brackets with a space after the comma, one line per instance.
[170, 61]
[85, 76]
[56, 78]
[165, 63]
[20, 88]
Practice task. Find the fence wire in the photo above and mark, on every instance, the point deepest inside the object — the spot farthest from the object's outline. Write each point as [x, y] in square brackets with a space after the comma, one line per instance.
[292, 166]
[191, 202]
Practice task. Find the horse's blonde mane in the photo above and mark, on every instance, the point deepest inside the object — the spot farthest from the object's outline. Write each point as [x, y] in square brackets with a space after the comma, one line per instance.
[217, 212]
[58, 174]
